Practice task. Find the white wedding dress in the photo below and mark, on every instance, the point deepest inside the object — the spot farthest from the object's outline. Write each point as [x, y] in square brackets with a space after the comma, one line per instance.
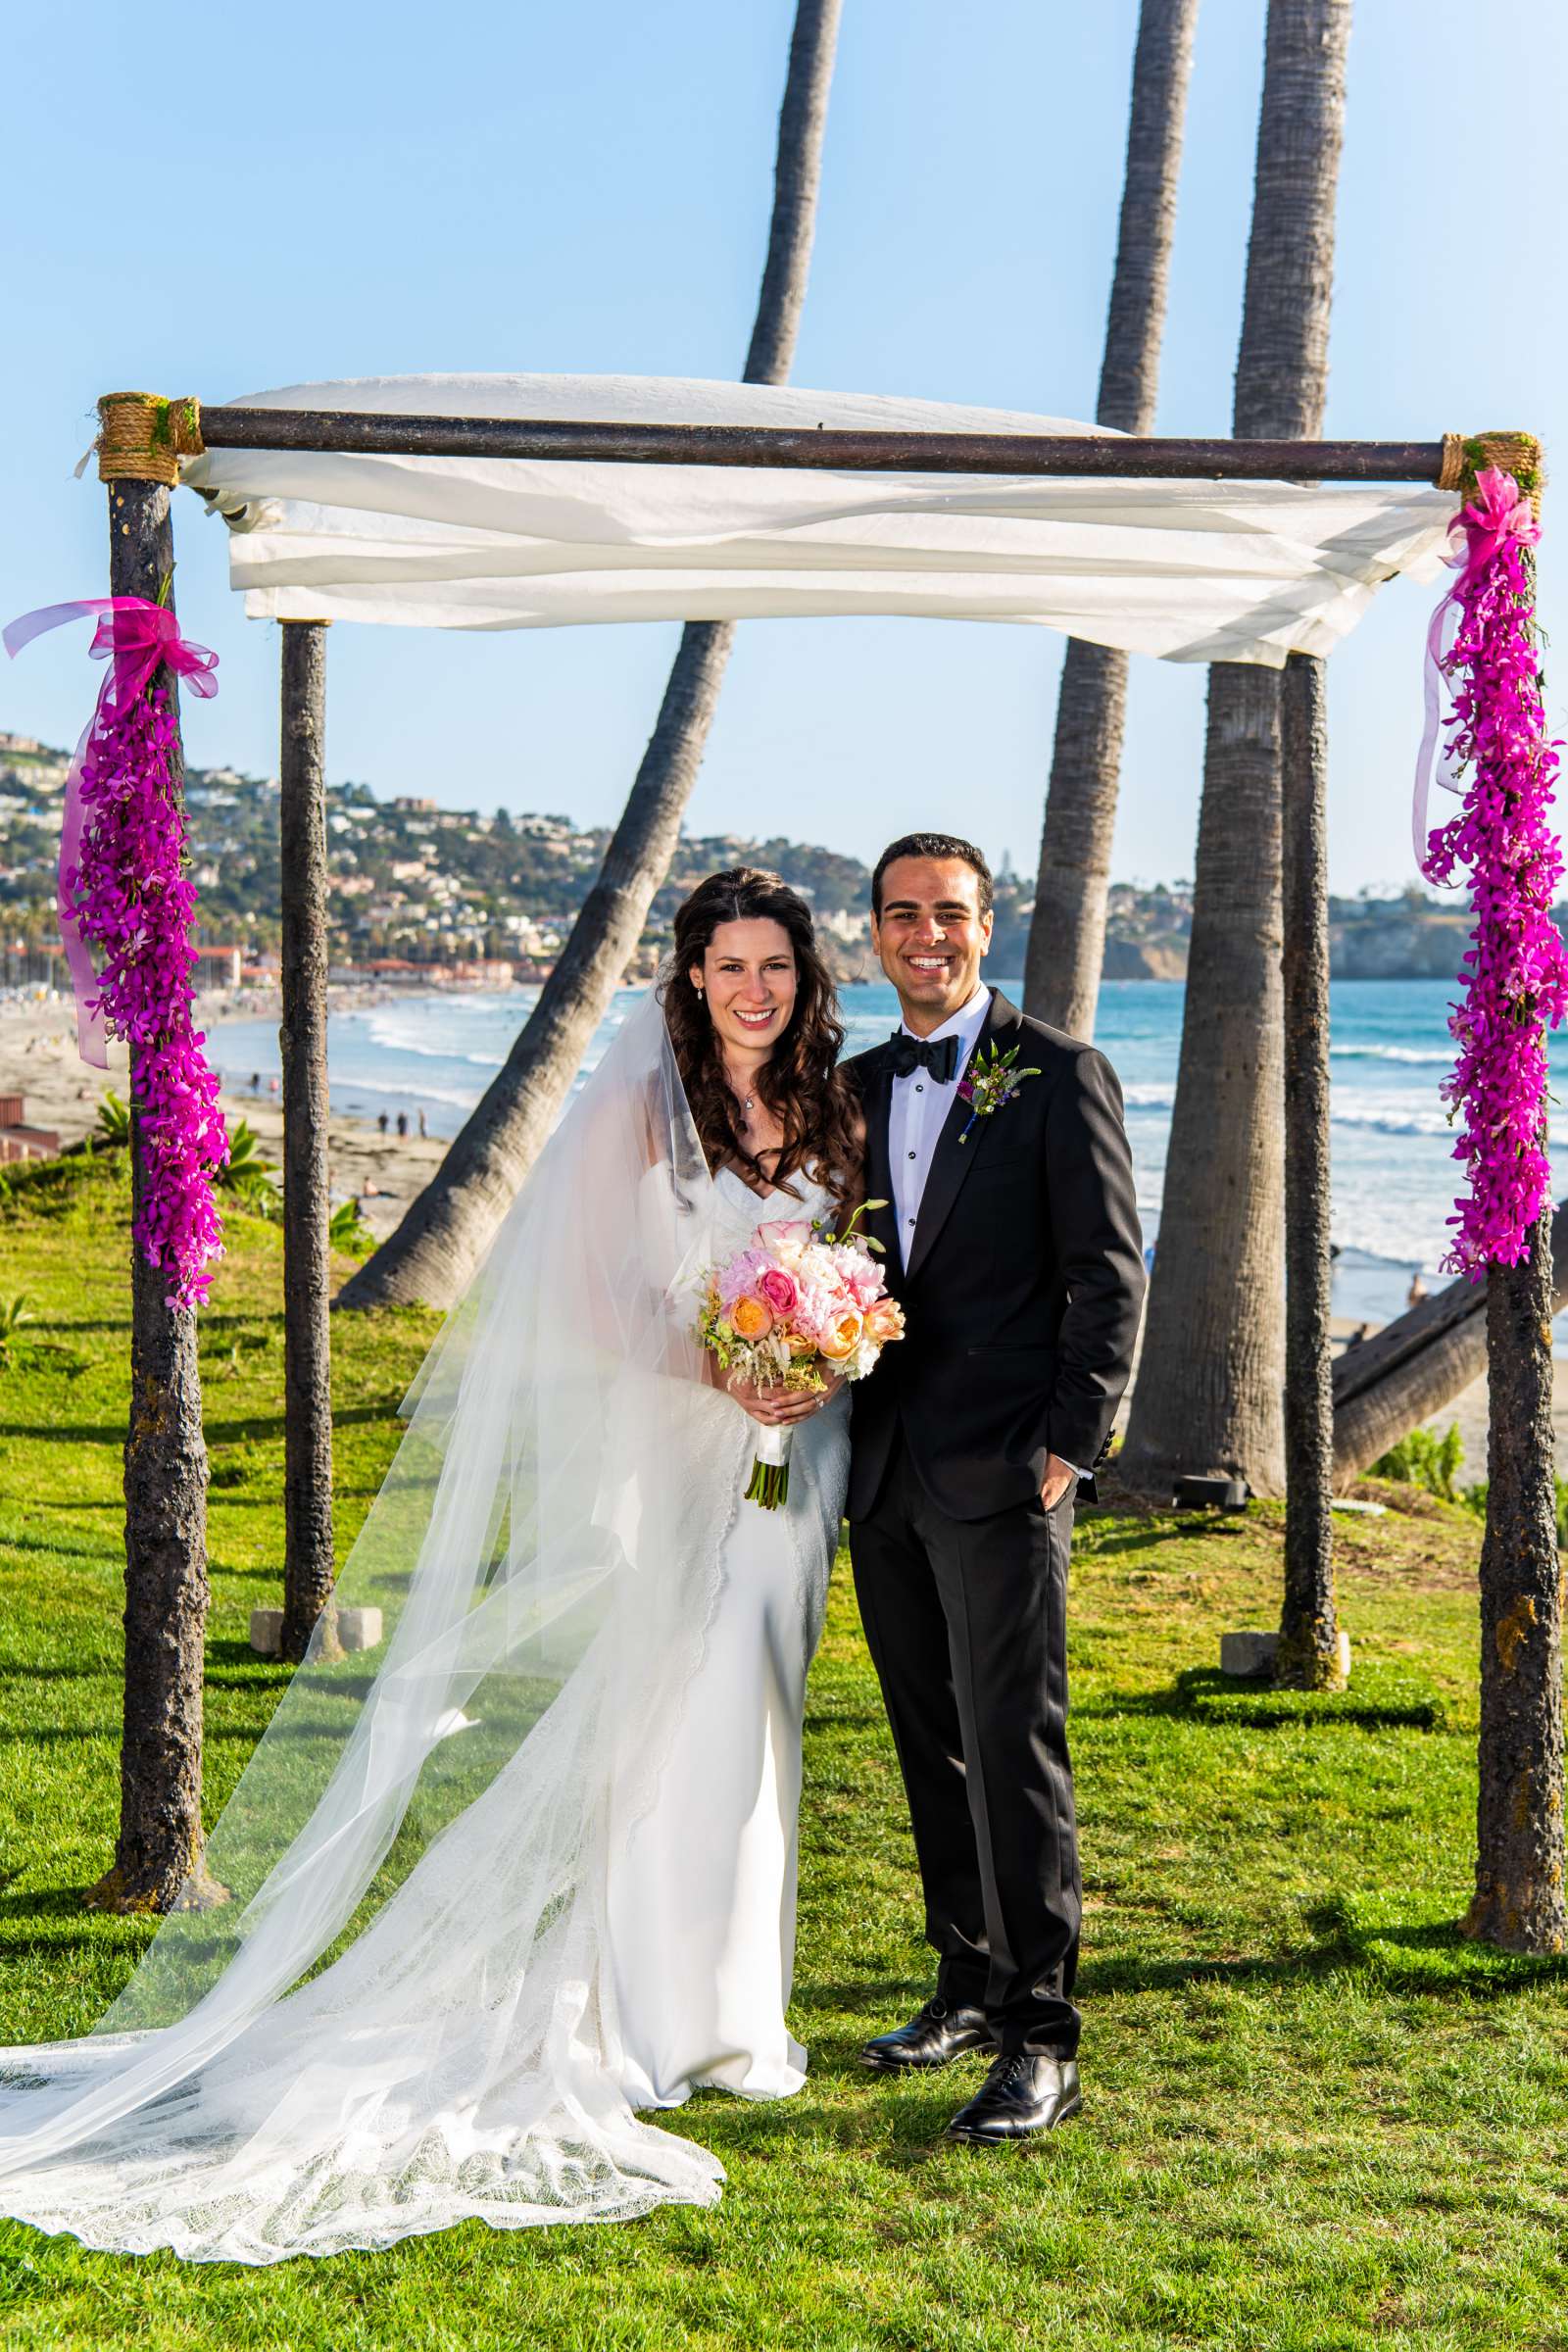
[537, 1869]
[702, 1887]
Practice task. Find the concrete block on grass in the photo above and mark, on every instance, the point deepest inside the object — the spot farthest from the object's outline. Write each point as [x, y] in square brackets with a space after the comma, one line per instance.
[357, 1628]
[1242, 1654]
[266, 1633]
[1250, 1657]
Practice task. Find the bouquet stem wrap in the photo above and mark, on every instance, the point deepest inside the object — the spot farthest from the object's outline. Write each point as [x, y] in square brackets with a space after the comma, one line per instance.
[770, 1468]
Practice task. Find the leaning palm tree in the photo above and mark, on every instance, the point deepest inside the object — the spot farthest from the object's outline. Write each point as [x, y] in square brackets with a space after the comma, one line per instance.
[1211, 1384]
[440, 1240]
[1068, 931]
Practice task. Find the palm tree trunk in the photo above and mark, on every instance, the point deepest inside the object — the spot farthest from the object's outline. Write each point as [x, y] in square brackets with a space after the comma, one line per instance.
[1209, 1393]
[1067, 930]
[446, 1230]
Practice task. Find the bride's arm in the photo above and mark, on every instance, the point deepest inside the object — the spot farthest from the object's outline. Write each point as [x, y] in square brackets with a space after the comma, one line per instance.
[670, 1262]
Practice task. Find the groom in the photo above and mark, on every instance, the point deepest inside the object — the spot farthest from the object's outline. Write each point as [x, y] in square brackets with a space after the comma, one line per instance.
[1011, 1238]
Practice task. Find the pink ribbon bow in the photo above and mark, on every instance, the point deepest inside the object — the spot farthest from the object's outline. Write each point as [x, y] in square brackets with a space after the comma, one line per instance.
[139, 636]
[1498, 511]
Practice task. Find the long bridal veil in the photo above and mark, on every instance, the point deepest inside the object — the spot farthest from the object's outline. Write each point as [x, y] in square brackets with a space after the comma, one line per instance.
[404, 2014]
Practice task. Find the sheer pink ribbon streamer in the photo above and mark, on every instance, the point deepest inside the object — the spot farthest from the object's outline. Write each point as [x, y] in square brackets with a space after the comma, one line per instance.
[1498, 511]
[140, 636]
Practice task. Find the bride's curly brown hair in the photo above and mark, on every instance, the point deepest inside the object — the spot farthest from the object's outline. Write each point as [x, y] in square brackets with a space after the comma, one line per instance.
[807, 1093]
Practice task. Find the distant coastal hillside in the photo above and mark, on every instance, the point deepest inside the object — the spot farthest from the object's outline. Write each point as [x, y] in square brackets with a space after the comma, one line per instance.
[414, 885]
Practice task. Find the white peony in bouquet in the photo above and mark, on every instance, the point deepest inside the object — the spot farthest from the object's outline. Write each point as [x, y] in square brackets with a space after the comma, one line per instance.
[794, 1304]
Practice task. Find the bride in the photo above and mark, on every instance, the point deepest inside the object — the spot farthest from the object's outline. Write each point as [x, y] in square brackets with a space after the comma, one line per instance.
[459, 1920]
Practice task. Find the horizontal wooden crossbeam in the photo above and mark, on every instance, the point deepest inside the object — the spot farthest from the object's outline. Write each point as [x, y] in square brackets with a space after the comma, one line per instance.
[1102, 456]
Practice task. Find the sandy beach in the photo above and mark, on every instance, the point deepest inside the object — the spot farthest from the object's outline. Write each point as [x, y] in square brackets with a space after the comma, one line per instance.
[384, 1172]
[38, 1059]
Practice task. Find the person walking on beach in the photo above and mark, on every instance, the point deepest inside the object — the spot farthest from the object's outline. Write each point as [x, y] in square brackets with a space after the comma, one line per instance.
[381, 1121]
[423, 1128]
[403, 1124]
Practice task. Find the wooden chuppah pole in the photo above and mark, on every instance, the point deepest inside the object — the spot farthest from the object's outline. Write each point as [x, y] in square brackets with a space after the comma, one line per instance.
[1519, 1897]
[1520, 1900]
[307, 1342]
[1109, 456]
[1307, 1657]
[159, 1839]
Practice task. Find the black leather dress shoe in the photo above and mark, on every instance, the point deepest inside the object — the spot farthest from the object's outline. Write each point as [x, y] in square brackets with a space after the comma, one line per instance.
[942, 2031]
[1021, 2095]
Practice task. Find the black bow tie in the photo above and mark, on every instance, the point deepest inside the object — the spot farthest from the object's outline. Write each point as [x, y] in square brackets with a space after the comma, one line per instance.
[938, 1054]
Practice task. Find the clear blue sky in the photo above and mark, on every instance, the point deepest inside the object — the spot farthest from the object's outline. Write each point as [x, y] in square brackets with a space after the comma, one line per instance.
[338, 190]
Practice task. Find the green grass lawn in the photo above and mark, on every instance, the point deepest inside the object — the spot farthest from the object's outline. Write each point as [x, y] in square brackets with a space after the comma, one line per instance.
[1314, 2117]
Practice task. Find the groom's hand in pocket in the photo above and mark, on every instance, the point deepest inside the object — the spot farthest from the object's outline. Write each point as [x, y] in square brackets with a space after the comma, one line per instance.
[1058, 1477]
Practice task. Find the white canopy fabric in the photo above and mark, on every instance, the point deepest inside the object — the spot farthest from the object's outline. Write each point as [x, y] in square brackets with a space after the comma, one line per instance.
[1184, 571]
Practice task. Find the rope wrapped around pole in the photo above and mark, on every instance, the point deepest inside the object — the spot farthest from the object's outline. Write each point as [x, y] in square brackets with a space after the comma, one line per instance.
[142, 437]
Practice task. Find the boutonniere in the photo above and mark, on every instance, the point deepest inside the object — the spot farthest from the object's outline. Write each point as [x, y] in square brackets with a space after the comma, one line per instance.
[988, 1082]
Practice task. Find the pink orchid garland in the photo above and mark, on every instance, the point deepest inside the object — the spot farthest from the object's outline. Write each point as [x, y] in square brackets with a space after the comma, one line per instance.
[133, 902]
[1517, 981]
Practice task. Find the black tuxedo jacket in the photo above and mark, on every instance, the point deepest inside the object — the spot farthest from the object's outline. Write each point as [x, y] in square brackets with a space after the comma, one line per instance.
[1023, 1284]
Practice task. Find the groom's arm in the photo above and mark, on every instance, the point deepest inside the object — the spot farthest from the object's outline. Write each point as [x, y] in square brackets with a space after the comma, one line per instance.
[1094, 1217]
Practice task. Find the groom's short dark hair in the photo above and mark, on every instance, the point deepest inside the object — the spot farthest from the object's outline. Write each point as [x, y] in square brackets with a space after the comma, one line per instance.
[932, 845]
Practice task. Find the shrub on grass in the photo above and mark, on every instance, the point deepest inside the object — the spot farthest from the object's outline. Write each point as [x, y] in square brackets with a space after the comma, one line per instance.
[349, 1231]
[1424, 1459]
[248, 1175]
[114, 1119]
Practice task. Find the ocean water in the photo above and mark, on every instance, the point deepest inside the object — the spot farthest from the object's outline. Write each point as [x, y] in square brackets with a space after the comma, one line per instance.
[1394, 1176]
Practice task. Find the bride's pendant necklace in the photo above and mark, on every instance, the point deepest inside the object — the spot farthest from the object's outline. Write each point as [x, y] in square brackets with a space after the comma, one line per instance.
[747, 1102]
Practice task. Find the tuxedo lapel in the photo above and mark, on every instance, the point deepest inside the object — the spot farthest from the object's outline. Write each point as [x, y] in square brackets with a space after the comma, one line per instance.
[952, 1160]
[881, 1223]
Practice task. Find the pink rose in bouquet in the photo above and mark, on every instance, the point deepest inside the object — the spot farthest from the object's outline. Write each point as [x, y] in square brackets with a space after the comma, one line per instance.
[780, 1288]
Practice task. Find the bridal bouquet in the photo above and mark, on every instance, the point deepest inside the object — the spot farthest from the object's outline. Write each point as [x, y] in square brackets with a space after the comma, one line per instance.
[795, 1303]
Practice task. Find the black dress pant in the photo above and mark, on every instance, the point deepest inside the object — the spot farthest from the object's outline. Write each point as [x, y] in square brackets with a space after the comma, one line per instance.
[967, 1621]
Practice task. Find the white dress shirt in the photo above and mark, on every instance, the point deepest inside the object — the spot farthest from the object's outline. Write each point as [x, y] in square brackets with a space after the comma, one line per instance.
[918, 1109]
[916, 1118]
